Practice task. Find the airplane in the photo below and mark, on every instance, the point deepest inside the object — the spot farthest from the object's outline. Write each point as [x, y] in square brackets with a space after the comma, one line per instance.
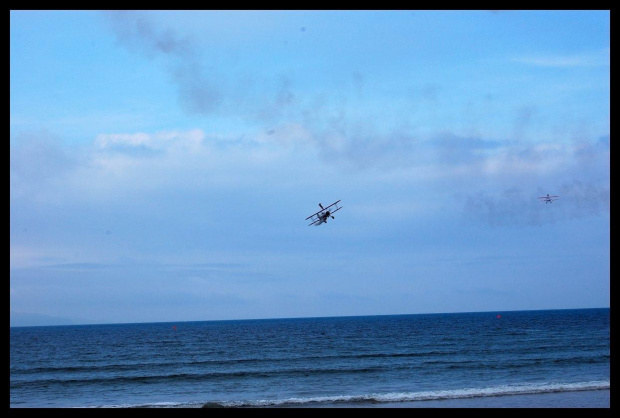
[548, 199]
[321, 216]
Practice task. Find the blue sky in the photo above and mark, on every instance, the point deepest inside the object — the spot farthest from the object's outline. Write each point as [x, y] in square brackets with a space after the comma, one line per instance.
[162, 163]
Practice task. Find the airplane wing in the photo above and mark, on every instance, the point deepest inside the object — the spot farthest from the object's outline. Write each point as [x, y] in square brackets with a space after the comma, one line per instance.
[314, 214]
[315, 222]
[335, 203]
[335, 210]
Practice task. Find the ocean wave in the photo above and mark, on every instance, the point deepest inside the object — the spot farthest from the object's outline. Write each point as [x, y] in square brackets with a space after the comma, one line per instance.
[385, 398]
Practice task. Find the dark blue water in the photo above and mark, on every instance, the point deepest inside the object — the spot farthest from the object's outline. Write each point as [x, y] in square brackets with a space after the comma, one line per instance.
[313, 362]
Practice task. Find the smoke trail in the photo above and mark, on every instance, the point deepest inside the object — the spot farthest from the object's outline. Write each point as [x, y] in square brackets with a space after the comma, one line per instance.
[197, 93]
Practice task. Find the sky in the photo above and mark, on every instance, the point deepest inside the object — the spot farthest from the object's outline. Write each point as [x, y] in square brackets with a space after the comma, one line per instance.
[163, 163]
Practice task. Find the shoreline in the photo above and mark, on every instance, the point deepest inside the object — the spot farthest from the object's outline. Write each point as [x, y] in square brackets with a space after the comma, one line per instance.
[577, 399]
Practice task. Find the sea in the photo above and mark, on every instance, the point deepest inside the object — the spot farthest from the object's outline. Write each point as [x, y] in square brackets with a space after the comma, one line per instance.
[514, 359]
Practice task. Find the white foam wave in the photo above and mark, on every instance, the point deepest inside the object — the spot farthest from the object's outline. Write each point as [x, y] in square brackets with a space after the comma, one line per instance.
[504, 390]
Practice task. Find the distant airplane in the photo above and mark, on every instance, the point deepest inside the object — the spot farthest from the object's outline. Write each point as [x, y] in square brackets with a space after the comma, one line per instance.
[321, 216]
[548, 199]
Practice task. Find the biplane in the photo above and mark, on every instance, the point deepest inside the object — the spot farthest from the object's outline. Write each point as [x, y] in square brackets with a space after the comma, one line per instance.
[326, 212]
[548, 199]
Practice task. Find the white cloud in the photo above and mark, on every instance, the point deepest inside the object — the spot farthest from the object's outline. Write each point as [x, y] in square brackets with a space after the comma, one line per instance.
[107, 140]
[158, 140]
[586, 59]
